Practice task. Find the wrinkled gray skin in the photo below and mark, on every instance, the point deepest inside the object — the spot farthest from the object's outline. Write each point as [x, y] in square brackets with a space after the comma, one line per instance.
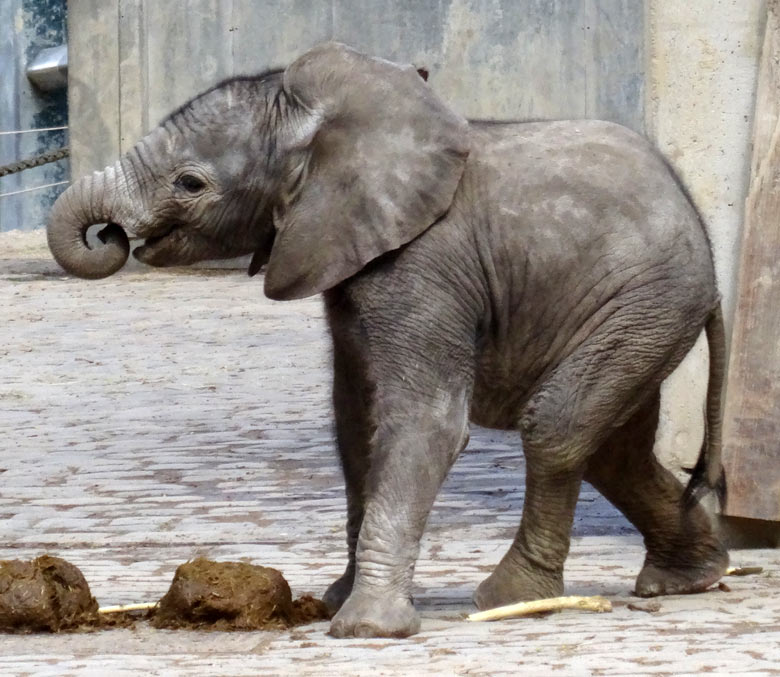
[542, 277]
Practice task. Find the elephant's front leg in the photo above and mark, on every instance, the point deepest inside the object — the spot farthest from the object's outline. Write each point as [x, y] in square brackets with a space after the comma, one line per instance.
[352, 395]
[417, 439]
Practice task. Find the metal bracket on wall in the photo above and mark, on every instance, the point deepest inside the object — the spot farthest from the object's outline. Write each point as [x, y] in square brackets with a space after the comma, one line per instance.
[48, 71]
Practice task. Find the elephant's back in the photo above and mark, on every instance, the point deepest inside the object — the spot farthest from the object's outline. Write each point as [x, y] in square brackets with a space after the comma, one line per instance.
[579, 193]
[572, 220]
[579, 172]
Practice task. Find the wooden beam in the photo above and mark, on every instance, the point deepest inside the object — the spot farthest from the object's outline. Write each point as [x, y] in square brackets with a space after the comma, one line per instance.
[752, 411]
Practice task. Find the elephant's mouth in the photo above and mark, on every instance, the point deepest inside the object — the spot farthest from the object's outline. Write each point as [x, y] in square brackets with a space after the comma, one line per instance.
[180, 245]
[161, 249]
[153, 241]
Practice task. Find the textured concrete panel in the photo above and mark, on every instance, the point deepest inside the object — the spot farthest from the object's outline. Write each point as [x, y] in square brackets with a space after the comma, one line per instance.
[488, 58]
[93, 84]
[502, 59]
[189, 48]
[273, 33]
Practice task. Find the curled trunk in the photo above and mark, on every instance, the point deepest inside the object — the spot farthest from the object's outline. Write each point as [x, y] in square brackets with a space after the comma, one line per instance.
[92, 200]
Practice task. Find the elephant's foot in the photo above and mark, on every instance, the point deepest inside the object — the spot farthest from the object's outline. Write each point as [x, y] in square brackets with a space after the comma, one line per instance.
[338, 591]
[658, 578]
[365, 615]
[517, 581]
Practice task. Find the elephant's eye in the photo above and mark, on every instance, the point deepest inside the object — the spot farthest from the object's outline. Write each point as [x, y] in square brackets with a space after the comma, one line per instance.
[190, 183]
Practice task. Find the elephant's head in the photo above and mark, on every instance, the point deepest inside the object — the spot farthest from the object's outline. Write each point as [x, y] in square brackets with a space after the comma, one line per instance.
[317, 169]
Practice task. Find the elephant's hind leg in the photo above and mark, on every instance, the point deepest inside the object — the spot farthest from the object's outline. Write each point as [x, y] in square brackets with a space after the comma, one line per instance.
[532, 568]
[683, 554]
[636, 341]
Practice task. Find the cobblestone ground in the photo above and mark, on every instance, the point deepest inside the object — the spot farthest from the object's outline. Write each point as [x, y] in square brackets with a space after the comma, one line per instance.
[159, 415]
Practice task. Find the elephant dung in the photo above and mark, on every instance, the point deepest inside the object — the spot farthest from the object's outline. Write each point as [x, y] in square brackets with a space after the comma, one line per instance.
[208, 595]
[46, 594]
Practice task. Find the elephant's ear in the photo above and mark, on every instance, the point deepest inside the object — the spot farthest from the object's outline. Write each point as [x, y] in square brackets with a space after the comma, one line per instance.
[382, 164]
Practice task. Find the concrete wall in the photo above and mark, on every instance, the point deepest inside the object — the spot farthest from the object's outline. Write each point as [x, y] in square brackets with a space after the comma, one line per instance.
[27, 27]
[701, 79]
[684, 73]
[488, 58]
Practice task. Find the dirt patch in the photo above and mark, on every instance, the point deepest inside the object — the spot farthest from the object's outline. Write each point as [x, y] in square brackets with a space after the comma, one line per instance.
[47, 594]
[206, 595]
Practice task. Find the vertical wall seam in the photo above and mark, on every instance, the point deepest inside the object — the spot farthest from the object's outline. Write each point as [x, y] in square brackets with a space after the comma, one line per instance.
[119, 75]
[232, 39]
[587, 49]
[642, 63]
[649, 88]
[143, 57]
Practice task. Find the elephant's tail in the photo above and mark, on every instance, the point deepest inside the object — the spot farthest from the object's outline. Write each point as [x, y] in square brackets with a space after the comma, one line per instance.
[708, 474]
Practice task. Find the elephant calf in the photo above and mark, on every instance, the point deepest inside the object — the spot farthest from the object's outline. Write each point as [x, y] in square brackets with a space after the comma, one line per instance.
[544, 277]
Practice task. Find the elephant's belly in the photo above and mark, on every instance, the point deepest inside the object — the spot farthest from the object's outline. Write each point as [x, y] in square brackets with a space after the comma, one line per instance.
[500, 393]
[489, 414]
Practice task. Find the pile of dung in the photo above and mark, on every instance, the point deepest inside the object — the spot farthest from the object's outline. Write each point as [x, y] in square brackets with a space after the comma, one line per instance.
[206, 595]
[308, 609]
[47, 594]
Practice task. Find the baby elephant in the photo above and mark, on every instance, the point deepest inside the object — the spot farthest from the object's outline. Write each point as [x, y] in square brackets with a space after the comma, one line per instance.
[544, 277]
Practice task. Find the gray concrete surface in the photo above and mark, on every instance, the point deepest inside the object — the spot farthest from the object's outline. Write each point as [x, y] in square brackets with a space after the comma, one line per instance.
[133, 61]
[159, 415]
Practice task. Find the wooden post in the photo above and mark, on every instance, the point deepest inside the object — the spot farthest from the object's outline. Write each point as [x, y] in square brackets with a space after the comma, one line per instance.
[752, 410]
